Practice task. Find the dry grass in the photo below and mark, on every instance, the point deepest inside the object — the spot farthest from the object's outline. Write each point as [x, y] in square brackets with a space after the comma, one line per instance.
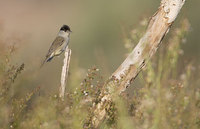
[168, 96]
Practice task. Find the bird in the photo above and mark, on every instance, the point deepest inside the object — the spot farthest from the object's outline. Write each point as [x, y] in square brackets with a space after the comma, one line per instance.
[59, 44]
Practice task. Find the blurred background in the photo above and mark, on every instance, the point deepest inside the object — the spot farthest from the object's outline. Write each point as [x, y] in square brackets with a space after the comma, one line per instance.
[99, 29]
[165, 95]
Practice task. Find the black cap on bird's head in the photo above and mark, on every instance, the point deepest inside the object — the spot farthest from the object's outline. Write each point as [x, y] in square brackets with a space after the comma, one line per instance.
[65, 28]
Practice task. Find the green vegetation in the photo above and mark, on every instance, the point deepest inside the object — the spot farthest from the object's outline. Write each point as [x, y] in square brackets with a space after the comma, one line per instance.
[167, 97]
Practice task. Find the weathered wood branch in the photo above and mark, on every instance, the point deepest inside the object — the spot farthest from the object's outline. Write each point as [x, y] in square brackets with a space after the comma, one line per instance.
[158, 27]
[64, 73]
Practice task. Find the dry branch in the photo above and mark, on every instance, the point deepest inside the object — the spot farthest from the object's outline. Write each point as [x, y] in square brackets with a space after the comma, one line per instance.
[64, 73]
[158, 27]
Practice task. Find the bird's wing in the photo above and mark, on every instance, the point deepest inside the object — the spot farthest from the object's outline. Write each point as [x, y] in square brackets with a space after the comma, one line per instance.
[56, 43]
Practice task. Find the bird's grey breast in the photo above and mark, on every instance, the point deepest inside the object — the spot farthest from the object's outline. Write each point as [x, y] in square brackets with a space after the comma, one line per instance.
[66, 42]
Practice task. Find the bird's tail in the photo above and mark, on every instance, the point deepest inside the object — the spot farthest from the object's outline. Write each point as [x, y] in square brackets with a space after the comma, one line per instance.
[43, 62]
[47, 59]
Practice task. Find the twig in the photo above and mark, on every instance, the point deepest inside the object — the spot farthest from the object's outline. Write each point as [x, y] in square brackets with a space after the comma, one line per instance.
[158, 27]
[64, 73]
